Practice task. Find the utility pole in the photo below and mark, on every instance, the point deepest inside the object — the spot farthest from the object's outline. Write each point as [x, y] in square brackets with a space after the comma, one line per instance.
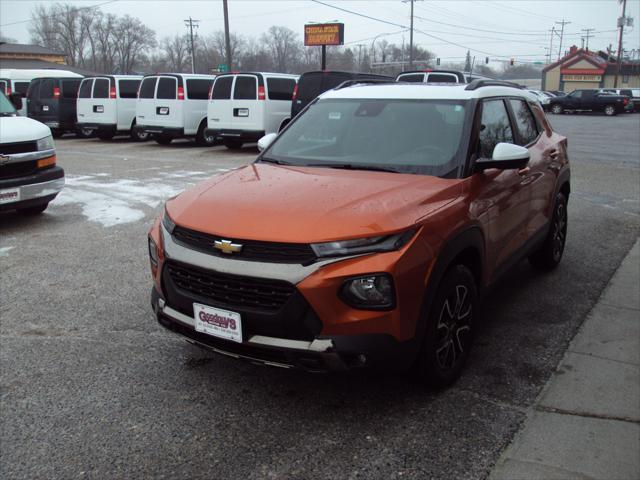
[411, 36]
[587, 35]
[191, 23]
[553, 32]
[563, 23]
[621, 21]
[227, 41]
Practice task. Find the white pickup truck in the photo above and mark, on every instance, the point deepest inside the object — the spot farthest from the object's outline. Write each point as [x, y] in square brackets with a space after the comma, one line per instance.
[29, 176]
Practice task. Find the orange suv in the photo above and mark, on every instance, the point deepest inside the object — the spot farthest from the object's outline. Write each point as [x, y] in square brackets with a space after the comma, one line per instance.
[367, 231]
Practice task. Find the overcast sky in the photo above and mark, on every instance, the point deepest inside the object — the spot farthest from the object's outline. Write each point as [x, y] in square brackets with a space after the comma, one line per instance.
[505, 28]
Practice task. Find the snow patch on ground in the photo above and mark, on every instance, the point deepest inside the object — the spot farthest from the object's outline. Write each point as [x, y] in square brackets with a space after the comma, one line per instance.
[4, 251]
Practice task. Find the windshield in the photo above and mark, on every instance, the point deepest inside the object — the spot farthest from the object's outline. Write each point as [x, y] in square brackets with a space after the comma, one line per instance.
[6, 107]
[408, 136]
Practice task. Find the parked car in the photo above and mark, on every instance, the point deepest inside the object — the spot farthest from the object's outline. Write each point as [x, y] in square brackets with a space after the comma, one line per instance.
[245, 106]
[557, 93]
[52, 101]
[432, 76]
[312, 84]
[542, 97]
[632, 93]
[589, 101]
[174, 105]
[15, 80]
[367, 231]
[29, 176]
[107, 105]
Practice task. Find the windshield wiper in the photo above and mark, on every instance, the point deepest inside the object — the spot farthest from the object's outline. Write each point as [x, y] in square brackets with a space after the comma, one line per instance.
[273, 160]
[351, 166]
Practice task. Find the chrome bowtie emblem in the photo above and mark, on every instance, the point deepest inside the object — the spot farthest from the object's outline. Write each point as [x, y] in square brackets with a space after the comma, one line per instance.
[4, 159]
[227, 246]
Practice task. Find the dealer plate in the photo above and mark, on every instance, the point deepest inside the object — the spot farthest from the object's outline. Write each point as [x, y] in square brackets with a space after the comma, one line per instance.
[10, 195]
[217, 322]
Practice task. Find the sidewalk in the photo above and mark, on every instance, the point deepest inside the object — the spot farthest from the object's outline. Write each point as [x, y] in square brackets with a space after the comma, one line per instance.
[586, 422]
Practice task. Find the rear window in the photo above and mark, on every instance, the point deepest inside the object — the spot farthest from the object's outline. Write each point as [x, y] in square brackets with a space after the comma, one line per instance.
[310, 86]
[246, 88]
[222, 88]
[21, 87]
[101, 88]
[85, 88]
[70, 88]
[128, 88]
[166, 88]
[148, 87]
[198, 89]
[46, 88]
[441, 78]
[280, 88]
[413, 78]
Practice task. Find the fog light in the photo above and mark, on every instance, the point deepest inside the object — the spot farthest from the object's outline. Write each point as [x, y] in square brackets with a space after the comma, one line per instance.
[371, 292]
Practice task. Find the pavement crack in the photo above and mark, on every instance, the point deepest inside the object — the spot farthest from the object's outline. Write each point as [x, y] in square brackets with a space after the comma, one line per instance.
[600, 357]
[598, 416]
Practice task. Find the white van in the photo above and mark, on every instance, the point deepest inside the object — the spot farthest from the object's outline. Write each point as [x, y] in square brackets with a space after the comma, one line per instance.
[243, 107]
[29, 176]
[15, 80]
[431, 76]
[107, 105]
[174, 105]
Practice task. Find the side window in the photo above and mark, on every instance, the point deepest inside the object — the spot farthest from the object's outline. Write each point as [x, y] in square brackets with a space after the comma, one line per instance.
[167, 89]
[576, 94]
[148, 87]
[280, 88]
[494, 127]
[441, 78]
[245, 88]
[3, 86]
[626, 93]
[128, 88]
[101, 88]
[413, 78]
[85, 88]
[70, 88]
[46, 88]
[198, 89]
[22, 87]
[222, 88]
[525, 122]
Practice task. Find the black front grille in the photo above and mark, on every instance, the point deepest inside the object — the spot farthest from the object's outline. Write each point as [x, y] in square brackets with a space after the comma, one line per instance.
[272, 252]
[21, 147]
[19, 169]
[231, 290]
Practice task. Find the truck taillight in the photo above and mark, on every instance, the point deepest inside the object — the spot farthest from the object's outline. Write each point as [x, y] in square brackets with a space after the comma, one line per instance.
[261, 94]
[112, 92]
[180, 93]
[56, 92]
[295, 92]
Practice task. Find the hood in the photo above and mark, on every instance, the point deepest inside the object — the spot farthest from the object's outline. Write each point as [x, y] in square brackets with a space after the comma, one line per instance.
[21, 129]
[307, 204]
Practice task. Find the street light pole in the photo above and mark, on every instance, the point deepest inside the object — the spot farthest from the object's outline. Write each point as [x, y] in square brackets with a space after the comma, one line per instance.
[227, 40]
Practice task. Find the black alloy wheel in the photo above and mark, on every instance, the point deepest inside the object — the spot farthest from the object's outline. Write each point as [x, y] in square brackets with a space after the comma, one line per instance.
[549, 255]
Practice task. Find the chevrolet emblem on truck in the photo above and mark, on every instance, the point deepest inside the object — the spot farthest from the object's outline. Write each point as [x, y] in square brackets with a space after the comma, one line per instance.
[226, 246]
[4, 159]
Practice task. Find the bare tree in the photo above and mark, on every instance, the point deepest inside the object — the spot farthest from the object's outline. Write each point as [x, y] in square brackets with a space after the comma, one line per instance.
[176, 52]
[133, 38]
[285, 48]
[217, 42]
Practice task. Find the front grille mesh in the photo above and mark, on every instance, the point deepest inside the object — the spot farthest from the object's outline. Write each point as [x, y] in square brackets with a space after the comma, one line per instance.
[18, 169]
[19, 147]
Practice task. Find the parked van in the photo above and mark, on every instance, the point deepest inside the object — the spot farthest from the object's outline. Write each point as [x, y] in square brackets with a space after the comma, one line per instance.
[245, 106]
[432, 76]
[52, 101]
[107, 105]
[174, 105]
[29, 176]
[312, 84]
[15, 80]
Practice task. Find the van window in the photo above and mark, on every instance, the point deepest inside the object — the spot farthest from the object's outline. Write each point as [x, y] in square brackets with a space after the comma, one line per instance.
[148, 87]
[309, 86]
[21, 87]
[441, 78]
[413, 78]
[222, 88]
[3, 86]
[280, 88]
[85, 88]
[70, 88]
[245, 88]
[128, 88]
[198, 89]
[46, 88]
[166, 88]
[101, 88]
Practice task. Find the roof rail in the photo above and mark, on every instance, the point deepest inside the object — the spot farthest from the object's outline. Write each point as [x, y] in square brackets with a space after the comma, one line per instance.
[481, 82]
[350, 83]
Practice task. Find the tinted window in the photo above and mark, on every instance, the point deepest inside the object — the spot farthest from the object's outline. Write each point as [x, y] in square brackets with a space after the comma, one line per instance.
[148, 87]
[332, 80]
[495, 127]
[128, 88]
[198, 89]
[280, 88]
[85, 89]
[576, 94]
[46, 88]
[525, 122]
[414, 78]
[166, 88]
[101, 88]
[309, 86]
[245, 89]
[3, 86]
[70, 88]
[626, 92]
[21, 87]
[222, 88]
[441, 78]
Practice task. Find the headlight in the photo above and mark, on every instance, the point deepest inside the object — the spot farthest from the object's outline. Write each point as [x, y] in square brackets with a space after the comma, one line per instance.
[370, 292]
[384, 243]
[167, 223]
[46, 143]
[153, 253]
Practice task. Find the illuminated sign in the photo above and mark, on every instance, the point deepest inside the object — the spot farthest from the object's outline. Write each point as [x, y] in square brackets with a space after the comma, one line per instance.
[582, 78]
[323, 34]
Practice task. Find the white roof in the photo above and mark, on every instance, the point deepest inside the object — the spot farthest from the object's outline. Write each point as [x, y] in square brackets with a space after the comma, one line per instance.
[422, 91]
[183, 75]
[126, 77]
[30, 74]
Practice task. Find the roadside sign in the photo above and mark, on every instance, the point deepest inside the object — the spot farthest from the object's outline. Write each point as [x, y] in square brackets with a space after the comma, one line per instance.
[223, 68]
[318, 34]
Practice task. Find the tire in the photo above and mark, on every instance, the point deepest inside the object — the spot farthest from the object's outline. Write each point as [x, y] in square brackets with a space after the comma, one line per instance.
[35, 210]
[610, 110]
[232, 143]
[549, 255]
[56, 133]
[450, 329]
[202, 138]
[138, 135]
[556, 109]
[84, 132]
[163, 140]
[105, 135]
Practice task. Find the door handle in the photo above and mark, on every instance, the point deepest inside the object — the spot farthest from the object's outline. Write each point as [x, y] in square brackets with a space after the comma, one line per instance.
[524, 171]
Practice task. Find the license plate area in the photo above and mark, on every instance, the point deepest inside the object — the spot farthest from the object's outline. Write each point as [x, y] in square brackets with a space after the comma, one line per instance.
[217, 322]
[10, 195]
[45, 108]
[240, 112]
[98, 108]
[162, 110]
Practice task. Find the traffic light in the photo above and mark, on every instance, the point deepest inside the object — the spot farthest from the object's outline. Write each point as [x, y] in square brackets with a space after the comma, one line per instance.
[486, 60]
[511, 62]
[437, 61]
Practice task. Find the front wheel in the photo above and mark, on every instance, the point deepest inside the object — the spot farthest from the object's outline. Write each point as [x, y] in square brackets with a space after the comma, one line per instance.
[610, 110]
[556, 109]
[57, 133]
[450, 329]
[204, 139]
[139, 135]
[232, 143]
[550, 254]
[84, 132]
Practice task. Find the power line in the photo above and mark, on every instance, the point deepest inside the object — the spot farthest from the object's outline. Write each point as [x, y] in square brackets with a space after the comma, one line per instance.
[587, 36]
[191, 23]
[563, 23]
[53, 16]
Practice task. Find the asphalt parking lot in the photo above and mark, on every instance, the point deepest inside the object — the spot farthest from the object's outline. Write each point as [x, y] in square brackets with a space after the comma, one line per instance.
[92, 387]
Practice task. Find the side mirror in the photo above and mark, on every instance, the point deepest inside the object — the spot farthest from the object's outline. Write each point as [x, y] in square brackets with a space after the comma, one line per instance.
[16, 100]
[505, 156]
[265, 141]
